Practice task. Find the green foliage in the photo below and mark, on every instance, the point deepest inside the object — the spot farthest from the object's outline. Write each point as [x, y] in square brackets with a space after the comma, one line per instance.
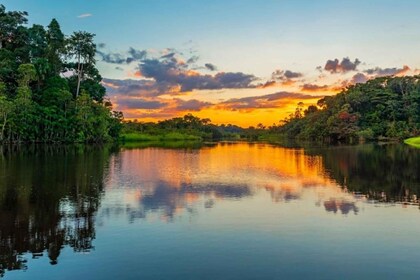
[414, 141]
[37, 104]
[383, 108]
[187, 128]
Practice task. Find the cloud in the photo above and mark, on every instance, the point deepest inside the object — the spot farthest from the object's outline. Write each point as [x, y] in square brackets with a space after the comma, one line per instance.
[190, 105]
[268, 84]
[168, 70]
[84, 15]
[159, 107]
[318, 88]
[114, 58]
[359, 78]
[193, 59]
[210, 67]
[120, 58]
[346, 65]
[129, 87]
[137, 54]
[281, 75]
[274, 100]
[382, 72]
[172, 71]
[140, 103]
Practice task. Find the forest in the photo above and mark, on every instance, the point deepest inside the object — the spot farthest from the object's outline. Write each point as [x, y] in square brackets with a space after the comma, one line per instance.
[385, 108]
[50, 89]
[382, 109]
[188, 127]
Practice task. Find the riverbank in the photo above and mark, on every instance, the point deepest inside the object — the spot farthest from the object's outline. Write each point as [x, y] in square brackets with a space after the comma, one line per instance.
[171, 136]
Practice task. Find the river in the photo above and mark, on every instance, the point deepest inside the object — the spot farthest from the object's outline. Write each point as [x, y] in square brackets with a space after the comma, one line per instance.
[216, 211]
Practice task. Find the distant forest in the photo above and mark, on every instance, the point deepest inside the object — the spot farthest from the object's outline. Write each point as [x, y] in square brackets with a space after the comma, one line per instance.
[386, 108]
[50, 89]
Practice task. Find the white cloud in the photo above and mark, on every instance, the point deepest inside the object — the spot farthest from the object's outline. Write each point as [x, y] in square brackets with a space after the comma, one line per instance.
[84, 15]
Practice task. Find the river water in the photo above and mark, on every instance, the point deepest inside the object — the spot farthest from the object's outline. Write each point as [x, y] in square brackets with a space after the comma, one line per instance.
[219, 211]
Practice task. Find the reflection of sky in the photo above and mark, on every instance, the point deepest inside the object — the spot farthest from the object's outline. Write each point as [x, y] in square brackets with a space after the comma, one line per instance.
[165, 183]
[236, 212]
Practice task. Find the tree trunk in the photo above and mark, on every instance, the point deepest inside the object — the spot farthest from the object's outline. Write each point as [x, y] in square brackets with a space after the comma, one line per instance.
[78, 75]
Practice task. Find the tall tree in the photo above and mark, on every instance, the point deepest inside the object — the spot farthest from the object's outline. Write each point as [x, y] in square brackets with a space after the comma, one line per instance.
[82, 49]
[56, 46]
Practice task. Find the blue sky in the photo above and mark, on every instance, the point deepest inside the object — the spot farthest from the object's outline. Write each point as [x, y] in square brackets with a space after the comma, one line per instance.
[252, 37]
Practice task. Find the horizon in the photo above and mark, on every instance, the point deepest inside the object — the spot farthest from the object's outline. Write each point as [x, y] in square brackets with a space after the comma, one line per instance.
[241, 62]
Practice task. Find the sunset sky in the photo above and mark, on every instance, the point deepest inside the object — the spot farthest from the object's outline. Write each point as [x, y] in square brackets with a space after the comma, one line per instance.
[240, 61]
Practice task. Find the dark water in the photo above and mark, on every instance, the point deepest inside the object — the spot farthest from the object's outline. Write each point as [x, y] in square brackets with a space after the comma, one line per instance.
[226, 211]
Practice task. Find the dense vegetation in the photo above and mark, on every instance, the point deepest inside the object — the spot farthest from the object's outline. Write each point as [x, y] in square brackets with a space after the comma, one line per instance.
[188, 127]
[382, 108]
[50, 90]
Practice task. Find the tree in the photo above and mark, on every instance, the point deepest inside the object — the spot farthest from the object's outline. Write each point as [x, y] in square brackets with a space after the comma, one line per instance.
[5, 110]
[36, 103]
[56, 46]
[9, 23]
[82, 48]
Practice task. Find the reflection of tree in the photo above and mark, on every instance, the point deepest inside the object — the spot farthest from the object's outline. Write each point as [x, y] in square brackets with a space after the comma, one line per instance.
[382, 172]
[48, 199]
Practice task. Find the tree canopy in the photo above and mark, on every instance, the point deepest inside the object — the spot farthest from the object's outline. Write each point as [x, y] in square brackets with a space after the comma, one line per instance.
[382, 108]
[50, 89]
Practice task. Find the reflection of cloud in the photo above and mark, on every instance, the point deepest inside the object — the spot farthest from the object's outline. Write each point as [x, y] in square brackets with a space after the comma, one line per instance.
[333, 205]
[168, 200]
[168, 183]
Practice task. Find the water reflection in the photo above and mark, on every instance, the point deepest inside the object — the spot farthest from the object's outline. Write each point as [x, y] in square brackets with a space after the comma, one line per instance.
[52, 198]
[333, 205]
[167, 183]
[48, 199]
[384, 173]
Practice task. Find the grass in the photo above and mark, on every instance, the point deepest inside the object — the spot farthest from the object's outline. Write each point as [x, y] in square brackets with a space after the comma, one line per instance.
[415, 142]
[164, 144]
[171, 136]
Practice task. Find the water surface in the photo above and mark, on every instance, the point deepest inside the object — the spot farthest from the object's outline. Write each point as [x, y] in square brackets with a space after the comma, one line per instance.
[221, 211]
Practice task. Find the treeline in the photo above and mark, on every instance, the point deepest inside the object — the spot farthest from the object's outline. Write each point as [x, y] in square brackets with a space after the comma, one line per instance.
[188, 127]
[50, 89]
[383, 108]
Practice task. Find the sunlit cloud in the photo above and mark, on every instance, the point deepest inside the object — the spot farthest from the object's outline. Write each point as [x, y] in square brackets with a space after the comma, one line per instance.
[167, 83]
[381, 72]
[313, 88]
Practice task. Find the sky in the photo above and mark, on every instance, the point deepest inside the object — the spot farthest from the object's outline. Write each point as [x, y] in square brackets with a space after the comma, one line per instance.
[240, 61]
